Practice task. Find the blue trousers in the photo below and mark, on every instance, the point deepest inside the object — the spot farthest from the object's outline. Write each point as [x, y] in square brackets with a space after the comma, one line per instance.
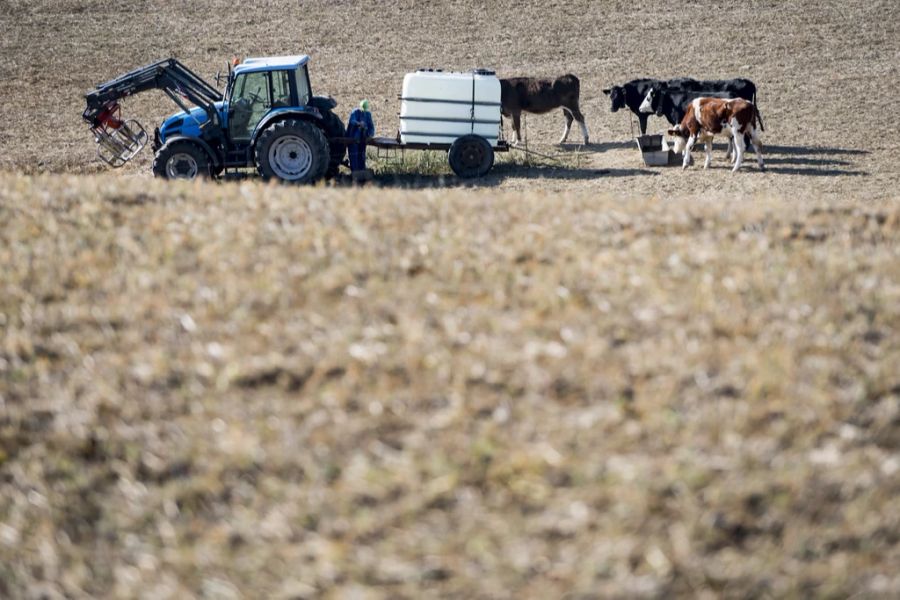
[357, 154]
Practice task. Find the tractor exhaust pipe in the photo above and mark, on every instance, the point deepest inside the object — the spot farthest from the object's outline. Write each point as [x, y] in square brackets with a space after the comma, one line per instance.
[118, 141]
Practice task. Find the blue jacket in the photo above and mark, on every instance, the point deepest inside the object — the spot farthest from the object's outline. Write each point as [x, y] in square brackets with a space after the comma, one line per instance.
[360, 125]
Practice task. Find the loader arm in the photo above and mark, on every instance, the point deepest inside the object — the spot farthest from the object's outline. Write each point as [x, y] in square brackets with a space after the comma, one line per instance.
[173, 78]
[118, 141]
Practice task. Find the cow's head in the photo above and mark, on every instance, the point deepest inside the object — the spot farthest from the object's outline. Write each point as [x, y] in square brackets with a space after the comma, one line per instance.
[647, 105]
[617, 97]
[505, 97]
[651, 103]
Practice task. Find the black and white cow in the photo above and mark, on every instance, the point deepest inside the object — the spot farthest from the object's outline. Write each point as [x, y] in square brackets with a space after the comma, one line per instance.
[671, 99]
[630, 95]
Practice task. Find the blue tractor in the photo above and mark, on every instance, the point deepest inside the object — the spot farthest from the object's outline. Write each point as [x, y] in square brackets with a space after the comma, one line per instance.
[267, 118]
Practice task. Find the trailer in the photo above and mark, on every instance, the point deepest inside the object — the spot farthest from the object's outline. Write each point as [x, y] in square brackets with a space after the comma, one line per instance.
[469, 155]
[457, 113]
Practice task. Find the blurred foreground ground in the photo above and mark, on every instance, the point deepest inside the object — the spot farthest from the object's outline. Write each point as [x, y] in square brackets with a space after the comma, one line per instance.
[234, 390]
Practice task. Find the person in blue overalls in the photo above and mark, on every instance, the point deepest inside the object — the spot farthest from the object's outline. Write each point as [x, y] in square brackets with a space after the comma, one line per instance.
[360, 127]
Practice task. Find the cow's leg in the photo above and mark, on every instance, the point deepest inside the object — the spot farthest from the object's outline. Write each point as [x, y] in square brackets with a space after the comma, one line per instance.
[516, 124]
[757, 148]
[569, 118]
[642, 122]
[687, 151]
[580, 118]
[738, 145]
[709, 144]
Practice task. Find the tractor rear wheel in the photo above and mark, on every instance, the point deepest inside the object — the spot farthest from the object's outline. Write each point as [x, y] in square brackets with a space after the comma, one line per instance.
[334, 128]
[471, 156]
[182, 159]
[293, 151]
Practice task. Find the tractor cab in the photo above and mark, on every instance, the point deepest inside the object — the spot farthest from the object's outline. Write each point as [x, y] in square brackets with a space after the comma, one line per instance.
[261, 85]
[255, 88]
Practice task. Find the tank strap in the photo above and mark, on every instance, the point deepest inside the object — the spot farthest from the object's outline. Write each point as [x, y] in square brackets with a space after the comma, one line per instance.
[472, 109]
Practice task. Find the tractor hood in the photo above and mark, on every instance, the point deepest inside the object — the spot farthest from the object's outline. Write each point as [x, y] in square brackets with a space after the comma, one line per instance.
[187, 124]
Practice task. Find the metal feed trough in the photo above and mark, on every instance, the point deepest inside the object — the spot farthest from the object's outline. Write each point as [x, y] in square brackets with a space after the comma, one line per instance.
[654, 153]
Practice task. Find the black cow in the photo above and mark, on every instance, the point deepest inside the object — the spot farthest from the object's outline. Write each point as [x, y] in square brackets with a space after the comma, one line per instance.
[631, 95]
[534, 95]
[670, 100]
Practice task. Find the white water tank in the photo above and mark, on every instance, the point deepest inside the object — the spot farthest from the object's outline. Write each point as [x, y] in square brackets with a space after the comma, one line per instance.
[437, 107]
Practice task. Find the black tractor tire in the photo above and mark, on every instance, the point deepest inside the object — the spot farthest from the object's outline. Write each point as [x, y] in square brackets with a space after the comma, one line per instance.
[292, 151]
[182, 159]
[471, 156]
[334, 128]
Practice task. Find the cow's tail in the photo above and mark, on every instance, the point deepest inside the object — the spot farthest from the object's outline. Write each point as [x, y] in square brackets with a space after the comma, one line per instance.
[756, 110]
[569, 89]
[576, 85]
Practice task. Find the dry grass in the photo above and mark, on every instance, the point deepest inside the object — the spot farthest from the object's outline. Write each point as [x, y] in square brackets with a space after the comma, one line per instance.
[577, 378]
[240, 389]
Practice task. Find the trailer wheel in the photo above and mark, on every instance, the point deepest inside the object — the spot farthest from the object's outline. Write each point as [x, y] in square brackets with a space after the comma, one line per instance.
[471, 156]
[181, 160]
[293, 151]
[334, 128]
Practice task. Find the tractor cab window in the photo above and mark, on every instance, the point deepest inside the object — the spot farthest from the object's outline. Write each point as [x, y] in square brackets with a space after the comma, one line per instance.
[281, 89]
[302, 78]
[250, 101]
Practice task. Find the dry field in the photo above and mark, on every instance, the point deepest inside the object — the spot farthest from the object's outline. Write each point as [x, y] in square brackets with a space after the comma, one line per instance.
[579, 378]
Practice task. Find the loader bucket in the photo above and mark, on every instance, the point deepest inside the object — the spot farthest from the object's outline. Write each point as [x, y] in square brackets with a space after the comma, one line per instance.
[118, 141]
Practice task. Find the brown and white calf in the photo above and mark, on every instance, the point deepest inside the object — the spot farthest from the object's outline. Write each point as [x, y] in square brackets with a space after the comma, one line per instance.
[534, 95]
[707, 117]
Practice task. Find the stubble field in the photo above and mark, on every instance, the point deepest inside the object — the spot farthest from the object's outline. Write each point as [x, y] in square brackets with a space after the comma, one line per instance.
[577, 378]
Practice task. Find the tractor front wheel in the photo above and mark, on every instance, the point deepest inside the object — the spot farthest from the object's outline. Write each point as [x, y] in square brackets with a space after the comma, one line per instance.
[293, 151]
[181, 160]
